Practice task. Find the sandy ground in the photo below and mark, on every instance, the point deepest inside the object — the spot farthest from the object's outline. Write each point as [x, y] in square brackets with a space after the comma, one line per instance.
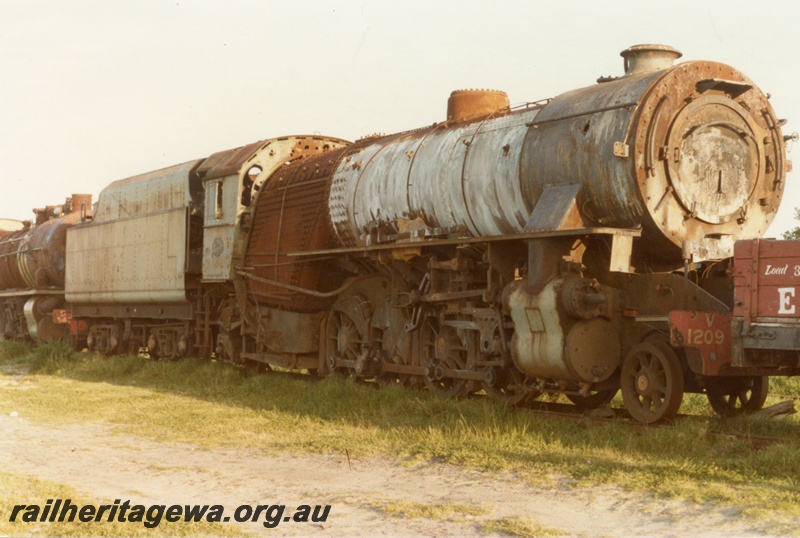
[104, 465]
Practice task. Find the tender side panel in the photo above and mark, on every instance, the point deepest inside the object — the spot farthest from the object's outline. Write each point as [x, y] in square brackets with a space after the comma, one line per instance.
[141, 259]
[136, 249]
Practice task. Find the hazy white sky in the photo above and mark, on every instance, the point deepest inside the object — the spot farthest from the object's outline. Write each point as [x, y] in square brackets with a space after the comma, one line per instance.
[94, 91]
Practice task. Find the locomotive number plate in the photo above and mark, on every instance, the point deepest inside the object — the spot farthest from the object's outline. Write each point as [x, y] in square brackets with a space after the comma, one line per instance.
[707, 332]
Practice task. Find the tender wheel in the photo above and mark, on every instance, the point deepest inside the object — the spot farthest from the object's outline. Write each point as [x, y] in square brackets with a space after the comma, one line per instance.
[256, 367]
[593, 400]
[738, 395]
[443, 347]
[7, 328]
[115, 341]
[652, 382]
[152, 346]
[136, 342]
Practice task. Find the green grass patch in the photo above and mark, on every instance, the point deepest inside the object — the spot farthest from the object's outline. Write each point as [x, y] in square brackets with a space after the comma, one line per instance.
[213, 405]
[443, 512]
[519, 526]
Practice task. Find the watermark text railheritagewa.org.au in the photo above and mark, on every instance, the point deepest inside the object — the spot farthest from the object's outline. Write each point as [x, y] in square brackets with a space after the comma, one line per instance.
[151, 516]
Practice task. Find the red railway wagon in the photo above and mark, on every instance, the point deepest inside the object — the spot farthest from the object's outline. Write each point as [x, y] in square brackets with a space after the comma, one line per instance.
[759, 337]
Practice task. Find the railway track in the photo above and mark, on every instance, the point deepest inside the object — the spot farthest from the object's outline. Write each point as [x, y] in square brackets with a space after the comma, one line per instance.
[605, 416]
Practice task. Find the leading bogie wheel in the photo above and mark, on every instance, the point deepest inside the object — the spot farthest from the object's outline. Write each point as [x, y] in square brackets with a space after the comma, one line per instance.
[652, 382]
[506, 385]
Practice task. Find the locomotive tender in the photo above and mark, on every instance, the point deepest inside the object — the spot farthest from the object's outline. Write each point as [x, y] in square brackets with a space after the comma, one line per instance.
[603, 240]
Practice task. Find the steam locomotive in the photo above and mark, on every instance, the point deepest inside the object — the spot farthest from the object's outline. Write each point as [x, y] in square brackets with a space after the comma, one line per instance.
[606, 239]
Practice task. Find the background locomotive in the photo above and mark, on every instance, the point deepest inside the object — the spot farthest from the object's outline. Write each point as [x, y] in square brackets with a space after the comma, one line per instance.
[577, 245]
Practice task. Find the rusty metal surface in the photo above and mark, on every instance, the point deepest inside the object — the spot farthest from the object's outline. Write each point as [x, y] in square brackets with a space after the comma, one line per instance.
[225, 163]
[378, 205]
[38, 313]
[707, 332]
[557, 209]
[141, 259]
[10, 277]
[289, 332]
[276, 152]
[465, 175]
[35, 257]
[232, 183]
[572, 142]
[136, 250]
[222, 203]
[42, 259]
[691, 154]
[160, 190]
[592, 350]
[290, 216]
[464, 105]
[549, 340]
[487, 175]
[500, 239]
[709, 160]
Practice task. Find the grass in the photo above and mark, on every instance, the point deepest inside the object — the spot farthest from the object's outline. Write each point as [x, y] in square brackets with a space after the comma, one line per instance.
[459, 513]
[519, 526]
[446, 512]
[213, 405]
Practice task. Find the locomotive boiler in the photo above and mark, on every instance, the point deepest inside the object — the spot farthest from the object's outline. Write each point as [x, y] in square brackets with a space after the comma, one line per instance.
[32, 266]
[572, 245]
[692, 155]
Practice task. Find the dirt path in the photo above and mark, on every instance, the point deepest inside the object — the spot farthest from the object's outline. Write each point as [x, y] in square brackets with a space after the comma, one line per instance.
[104, 465]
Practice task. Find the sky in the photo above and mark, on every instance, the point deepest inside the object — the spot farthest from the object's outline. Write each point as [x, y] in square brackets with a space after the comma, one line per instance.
[95, 91]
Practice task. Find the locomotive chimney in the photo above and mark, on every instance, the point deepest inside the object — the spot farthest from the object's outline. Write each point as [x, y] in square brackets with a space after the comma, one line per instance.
[465, 105]
[82, 203]
[646, 58]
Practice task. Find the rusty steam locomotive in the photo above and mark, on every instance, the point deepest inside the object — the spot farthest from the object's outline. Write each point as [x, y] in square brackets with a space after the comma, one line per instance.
[603, 240]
